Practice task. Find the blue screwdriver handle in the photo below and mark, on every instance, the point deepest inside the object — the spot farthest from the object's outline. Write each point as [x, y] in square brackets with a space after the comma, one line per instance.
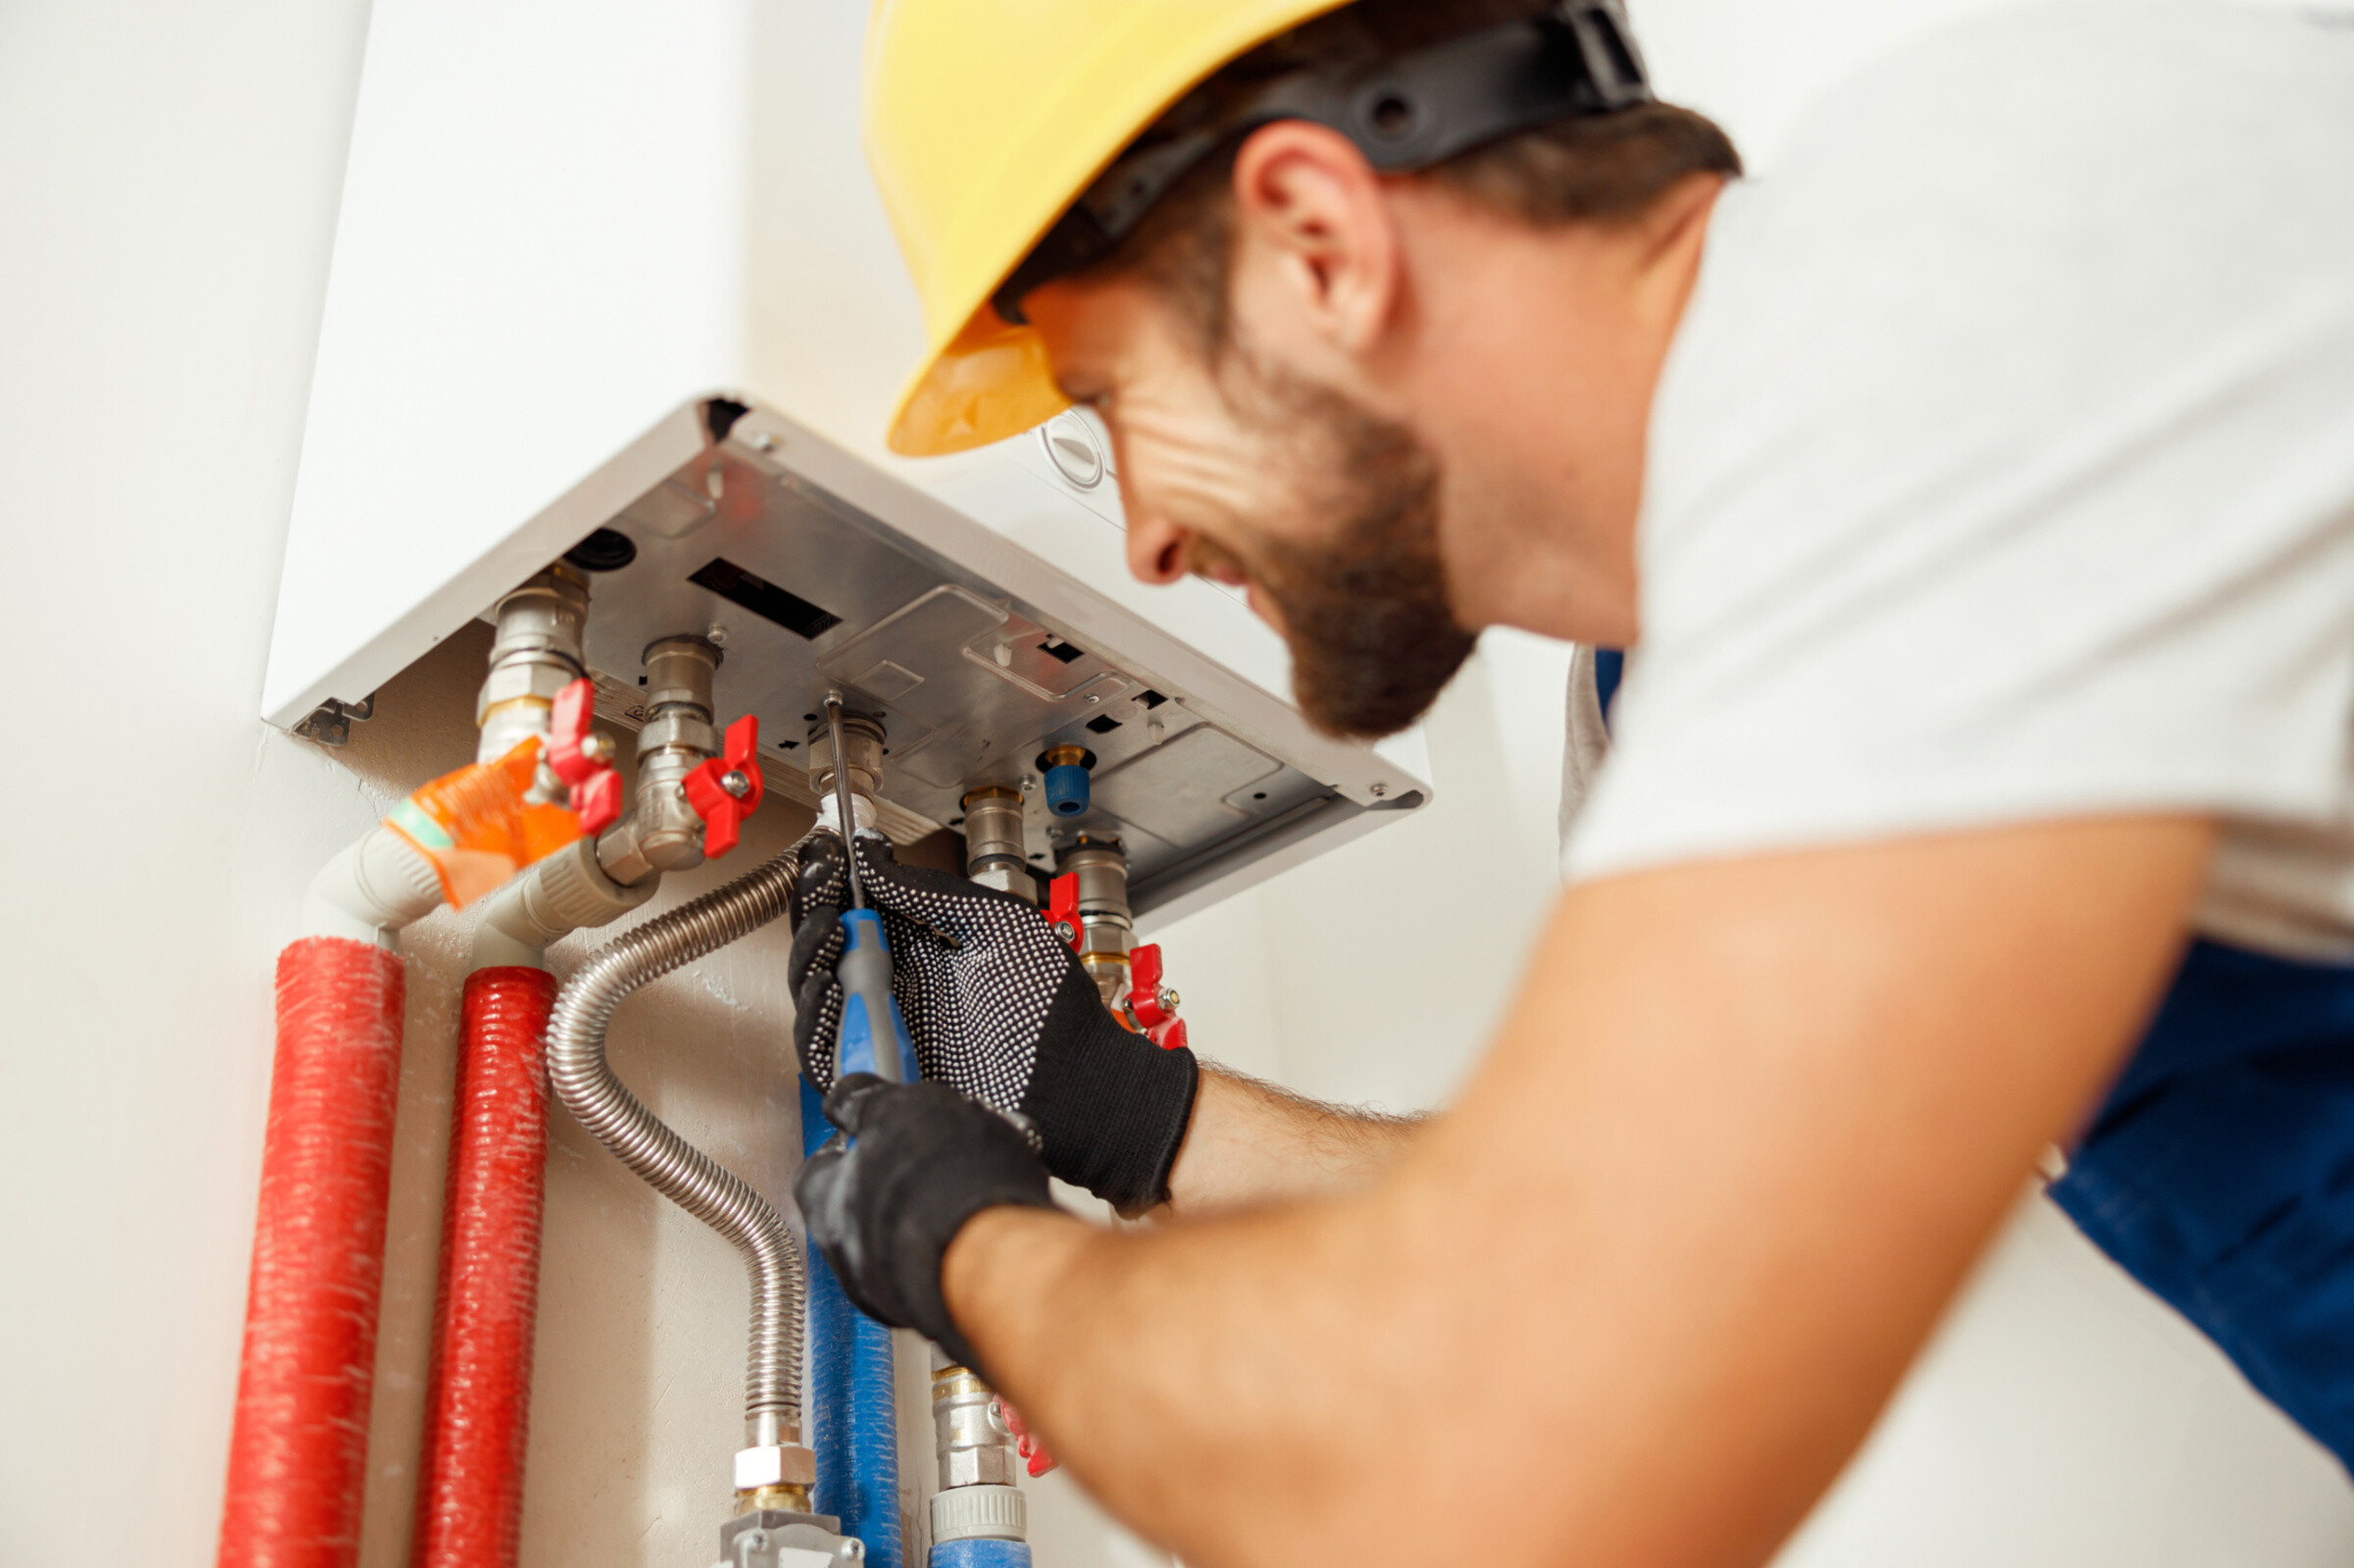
[867, 1005]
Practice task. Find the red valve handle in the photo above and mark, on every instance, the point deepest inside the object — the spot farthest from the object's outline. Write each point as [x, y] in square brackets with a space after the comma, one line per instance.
[597, 803]
[1062, 908]
[596, 786]
[722, 809]
[1152, 1004]
[1029, 1445]
[1146, 997]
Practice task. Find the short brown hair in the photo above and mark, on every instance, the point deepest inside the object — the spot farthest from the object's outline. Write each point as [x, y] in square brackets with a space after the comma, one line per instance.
[1584, 169]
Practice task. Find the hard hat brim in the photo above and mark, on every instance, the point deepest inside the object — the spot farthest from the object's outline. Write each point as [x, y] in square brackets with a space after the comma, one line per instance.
[990, 382]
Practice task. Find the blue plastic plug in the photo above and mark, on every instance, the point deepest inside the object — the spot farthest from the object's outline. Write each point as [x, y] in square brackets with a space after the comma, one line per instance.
[1068, 790]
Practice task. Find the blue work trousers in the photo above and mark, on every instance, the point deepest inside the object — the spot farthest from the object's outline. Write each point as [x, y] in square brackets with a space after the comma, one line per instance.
[2219, 1173]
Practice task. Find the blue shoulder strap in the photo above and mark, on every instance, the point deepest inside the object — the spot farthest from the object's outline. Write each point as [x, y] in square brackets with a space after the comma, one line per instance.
[1610, 668]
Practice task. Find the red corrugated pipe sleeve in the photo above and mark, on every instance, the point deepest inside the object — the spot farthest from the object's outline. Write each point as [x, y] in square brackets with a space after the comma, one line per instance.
[469, 1492]
[298, 1452]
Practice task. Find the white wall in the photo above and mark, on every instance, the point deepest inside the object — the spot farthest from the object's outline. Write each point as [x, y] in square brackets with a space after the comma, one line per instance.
[168, 178]
[167, 196]
[168, 188]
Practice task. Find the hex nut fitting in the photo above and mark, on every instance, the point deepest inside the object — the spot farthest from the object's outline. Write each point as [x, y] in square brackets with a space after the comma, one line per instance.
[775, 1464]
[540, 675]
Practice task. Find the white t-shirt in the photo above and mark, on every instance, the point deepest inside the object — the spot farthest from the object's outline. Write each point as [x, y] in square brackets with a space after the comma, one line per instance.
[2002, 466]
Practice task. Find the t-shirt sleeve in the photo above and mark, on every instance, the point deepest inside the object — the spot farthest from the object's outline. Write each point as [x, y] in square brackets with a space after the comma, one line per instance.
[2004, 466]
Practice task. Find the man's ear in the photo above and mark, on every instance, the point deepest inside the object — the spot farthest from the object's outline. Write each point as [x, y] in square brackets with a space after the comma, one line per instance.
[1307, 201]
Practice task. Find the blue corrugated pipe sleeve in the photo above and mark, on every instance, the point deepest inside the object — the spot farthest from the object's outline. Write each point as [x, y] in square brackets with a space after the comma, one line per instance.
[853, 1408]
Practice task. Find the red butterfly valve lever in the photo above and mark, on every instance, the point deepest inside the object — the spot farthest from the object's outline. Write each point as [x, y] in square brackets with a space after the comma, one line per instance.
[1152, 1004]
[577, 755]
[1062, 908]
[728, 787]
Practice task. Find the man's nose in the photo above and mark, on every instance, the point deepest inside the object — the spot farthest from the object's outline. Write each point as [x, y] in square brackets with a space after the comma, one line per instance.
[1156, 546]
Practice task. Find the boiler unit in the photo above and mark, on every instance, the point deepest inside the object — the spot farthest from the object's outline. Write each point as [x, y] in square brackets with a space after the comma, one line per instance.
[571, 365]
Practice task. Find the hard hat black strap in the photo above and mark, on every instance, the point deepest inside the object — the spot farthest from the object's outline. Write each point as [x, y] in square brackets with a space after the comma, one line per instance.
[1404, 113]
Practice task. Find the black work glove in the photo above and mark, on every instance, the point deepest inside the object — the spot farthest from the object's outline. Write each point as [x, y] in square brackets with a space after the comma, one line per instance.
[885, 1197]
[998, 1007]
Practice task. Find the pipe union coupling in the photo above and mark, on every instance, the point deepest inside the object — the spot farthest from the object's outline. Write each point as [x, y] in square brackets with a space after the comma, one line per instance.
[863, 748]
[680, 670]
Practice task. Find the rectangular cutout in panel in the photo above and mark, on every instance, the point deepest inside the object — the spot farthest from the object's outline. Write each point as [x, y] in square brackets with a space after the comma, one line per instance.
[765, 599]
[1017, 650]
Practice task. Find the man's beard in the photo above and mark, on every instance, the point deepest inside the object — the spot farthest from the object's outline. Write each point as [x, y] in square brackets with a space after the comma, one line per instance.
[1374, 639]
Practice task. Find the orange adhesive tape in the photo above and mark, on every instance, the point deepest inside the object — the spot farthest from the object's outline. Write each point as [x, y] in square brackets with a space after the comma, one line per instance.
[478, 827]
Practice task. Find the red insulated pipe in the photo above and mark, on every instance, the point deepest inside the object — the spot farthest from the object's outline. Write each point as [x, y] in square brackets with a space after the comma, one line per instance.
[298, 1450]
[469, 1492]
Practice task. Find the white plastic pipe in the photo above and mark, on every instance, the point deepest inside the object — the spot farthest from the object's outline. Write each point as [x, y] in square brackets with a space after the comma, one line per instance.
[568, 891]
[376, 885]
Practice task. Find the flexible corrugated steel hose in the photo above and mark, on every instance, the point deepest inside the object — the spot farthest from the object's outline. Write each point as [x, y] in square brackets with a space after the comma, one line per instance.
[579, 1074]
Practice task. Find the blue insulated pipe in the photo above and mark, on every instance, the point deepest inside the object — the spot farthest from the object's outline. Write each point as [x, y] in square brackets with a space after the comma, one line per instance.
[853, 1408]
[981, 1555]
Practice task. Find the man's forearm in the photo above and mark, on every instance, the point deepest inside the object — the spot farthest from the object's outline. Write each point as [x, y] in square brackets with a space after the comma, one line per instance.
[1678, 1240]
[1250, 1142]
[1158, 1396]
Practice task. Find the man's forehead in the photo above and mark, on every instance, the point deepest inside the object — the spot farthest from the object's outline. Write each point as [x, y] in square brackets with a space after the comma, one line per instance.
[1099, 331]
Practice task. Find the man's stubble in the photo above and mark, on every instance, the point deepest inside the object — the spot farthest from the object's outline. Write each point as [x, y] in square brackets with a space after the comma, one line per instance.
[1364, 609]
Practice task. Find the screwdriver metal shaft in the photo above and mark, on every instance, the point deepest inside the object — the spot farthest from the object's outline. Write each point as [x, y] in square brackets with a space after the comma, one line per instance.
[841, 798]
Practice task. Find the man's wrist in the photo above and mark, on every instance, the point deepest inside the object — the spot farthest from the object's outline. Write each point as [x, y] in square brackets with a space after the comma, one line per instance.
[1001, 1263]
[1250, 1142]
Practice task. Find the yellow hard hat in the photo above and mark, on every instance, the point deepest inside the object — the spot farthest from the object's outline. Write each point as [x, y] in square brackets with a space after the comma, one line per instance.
[988, 120]
[985, 119]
